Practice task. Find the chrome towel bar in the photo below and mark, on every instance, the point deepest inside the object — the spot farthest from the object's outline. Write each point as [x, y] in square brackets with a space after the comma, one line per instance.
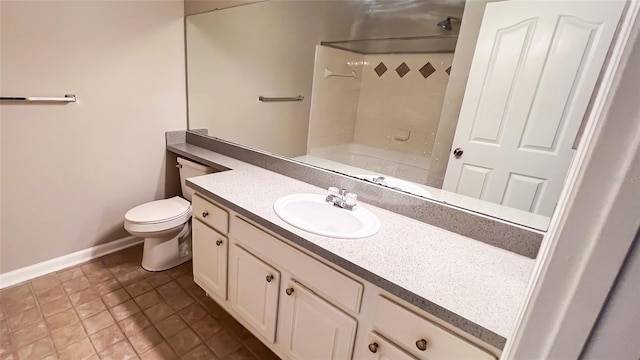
[276, 99]
[68, 98]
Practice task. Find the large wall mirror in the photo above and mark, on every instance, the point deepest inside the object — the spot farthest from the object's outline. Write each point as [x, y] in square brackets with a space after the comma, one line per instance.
[477, 104]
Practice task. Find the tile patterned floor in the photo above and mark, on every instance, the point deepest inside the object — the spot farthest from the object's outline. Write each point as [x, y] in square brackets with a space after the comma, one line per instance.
[111, 308]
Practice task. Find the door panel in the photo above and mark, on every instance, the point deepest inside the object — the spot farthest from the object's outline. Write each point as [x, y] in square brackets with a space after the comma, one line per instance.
[253, 291]
[533, 73]
[209, 259]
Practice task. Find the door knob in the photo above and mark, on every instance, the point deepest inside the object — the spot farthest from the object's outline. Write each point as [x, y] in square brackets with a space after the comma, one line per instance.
[373, 347]
[458, 152]
[205, 214]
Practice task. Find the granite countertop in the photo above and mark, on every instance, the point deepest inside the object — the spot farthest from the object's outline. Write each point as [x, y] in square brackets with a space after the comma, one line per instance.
[469, 284]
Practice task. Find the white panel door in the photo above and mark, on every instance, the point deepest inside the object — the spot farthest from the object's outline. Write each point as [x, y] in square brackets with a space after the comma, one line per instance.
[533, 73]
[313, 328]
[209, 260]
[253, 291]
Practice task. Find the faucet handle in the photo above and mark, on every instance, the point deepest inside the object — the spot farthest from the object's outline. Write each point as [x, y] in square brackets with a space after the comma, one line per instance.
[351, 199]
[343, 193]
[332, 191]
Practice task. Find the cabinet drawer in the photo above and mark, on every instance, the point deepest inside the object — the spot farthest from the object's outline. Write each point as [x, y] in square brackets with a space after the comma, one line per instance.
[210, 214]
[409, 330]
[327, 282]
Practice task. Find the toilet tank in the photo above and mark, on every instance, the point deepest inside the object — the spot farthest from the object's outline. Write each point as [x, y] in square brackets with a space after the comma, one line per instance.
[189, 169]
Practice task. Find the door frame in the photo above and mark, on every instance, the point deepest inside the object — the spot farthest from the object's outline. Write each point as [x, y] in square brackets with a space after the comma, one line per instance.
[597, 218]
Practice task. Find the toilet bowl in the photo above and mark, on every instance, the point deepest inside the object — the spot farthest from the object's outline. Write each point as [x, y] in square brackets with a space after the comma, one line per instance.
[165, 224]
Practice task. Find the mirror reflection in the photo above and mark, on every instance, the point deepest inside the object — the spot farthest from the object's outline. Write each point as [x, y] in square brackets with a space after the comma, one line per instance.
[475, 104]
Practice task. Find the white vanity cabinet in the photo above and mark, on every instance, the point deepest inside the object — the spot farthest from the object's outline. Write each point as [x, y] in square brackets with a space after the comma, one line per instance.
[302, 307]
[210, 245]
[312, 328]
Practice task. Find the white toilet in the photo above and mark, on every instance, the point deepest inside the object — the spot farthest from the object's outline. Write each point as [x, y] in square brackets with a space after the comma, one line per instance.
[164, 224]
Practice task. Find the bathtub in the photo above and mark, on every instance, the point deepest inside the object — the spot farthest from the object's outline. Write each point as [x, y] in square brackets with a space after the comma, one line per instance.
[393, 163]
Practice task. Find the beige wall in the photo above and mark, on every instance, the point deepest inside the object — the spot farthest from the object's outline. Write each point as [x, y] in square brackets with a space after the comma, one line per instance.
[70, 172]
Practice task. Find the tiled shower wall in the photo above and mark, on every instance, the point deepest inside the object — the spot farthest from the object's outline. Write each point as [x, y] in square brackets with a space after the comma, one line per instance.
[394, 104]
[401, 97]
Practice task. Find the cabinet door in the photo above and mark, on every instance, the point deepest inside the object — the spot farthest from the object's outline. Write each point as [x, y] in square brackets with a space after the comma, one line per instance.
[253, 291]
[381, 349]
[209, 259]
[314, 329]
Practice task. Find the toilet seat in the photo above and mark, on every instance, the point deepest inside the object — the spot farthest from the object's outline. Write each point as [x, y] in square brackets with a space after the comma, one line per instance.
[158, 215]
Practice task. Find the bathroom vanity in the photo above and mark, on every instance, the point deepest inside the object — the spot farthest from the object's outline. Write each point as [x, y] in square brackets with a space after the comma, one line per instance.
[412, 291]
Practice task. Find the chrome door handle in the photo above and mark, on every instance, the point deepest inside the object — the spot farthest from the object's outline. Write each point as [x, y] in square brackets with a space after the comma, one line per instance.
[458, 152]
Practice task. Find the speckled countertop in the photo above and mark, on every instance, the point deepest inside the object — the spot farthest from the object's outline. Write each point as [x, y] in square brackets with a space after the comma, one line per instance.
[469, 284]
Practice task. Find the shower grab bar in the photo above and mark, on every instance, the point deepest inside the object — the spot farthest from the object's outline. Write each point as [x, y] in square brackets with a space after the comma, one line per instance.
[68, 98]
[278, 99]
[329, 73]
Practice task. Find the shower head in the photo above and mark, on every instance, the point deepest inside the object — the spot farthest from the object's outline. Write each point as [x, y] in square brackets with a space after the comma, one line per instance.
[446, 23]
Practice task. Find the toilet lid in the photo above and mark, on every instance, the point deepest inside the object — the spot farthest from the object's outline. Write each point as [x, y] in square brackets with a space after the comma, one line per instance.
[158, 211]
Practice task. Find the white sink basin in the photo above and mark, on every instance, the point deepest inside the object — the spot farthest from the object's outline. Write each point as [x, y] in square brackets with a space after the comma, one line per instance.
[397, 184]
[311, 213]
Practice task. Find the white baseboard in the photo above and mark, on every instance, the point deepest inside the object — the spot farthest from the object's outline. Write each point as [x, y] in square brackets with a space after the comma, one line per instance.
[45, 267]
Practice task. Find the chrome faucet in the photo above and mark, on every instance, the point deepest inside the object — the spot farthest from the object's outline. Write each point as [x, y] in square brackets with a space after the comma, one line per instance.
[341, 198]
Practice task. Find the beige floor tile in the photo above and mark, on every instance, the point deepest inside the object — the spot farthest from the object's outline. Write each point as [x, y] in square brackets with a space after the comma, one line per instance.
[90, 308]
[184, 341]
[145, 339]
[79, 350]
[98, 276]
[241, 353]
[55, 292]
[223, 343]
[55, 306]
[76, 284]
[107, 337]
[207, 327]
[15, 307]
[158, 312]
[83, 296]
[68, 274]
[98, 322]
[134, 324]
[67, 335]
[115, 298]
[158, 279]
[193, 313]
[138, 288]
[37, 349]
[148, 299]
[124, 310]
[24, 319]
[200, 352]
[62, 319]
[161, 351]
[180, 301]
[120, 351]
[44, 283]
[29, 334]
[106, 287]
[170, 326]
[260, 350]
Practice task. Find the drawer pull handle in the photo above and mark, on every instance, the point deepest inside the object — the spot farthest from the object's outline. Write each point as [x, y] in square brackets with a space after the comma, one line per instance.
[269, 278]
[421, 344]
[218, 242]
[289, 291]
[373, 347]
[205, 214]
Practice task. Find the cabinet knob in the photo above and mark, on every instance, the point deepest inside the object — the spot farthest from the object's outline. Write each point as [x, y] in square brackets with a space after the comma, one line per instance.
[269, 278]
[218, 242]
[421, 344]
[289, 291]
[373, 347]
[205, 214]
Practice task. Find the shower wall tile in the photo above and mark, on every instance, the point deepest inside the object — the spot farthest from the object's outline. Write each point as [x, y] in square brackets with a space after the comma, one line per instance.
[335, 99]
[411, 102]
